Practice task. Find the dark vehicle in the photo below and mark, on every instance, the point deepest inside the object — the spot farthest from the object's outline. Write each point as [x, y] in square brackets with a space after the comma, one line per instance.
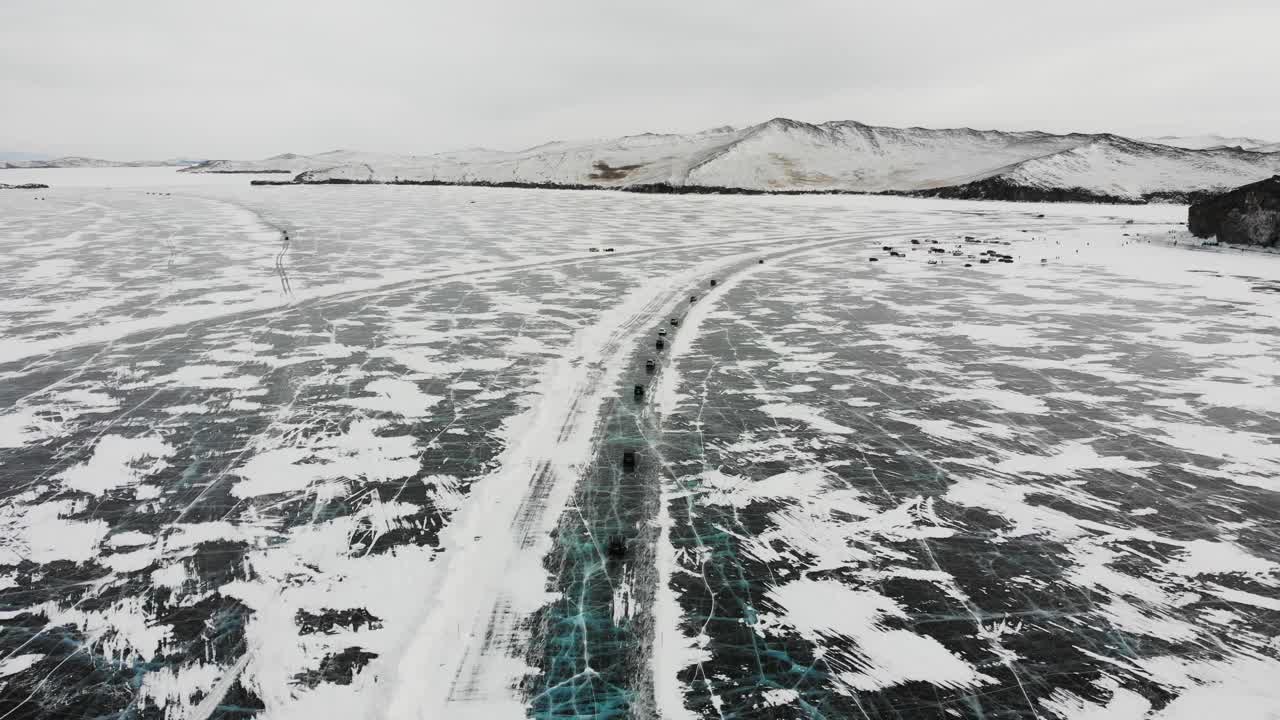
[915, 241]
[616, 549]
[875, 259]
[693, 298]
[674, 322]
[639, 392]
[713, 283]
[660, 344]
[650, 365]
[629, 460]
[608, 249]
[662, 332]
[760, 261]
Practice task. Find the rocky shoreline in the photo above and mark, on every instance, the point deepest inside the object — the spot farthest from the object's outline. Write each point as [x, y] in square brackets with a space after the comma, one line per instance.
[651, 188]
[981, 190]
[1248, 215]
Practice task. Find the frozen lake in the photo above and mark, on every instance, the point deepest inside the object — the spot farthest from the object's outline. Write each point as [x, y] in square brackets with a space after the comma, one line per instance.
[303, 452]
[104, 178]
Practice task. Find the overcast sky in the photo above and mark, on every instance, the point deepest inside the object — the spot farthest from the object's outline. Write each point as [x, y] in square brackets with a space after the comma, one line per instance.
[135, 79]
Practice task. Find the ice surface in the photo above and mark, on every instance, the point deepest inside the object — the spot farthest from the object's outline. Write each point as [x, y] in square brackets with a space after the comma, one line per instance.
[373, 470]
[1060, 511]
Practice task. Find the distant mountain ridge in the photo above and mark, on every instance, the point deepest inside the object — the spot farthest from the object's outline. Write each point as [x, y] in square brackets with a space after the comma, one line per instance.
[293, 162]
[1116, 168]
[784, 155]
[1206, 142]
[84, 162]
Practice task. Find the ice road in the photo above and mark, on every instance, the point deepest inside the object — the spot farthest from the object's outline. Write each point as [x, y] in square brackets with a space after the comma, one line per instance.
[399, 452]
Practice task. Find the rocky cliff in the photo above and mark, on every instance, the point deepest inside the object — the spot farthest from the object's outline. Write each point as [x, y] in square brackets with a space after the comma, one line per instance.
[1248, 215]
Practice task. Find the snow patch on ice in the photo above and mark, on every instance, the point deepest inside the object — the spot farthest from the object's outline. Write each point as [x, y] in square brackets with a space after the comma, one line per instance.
[117, 461]
[396, 396]
[881, 657]
[40, 533]
[359, 453]
[14, 664]
[806, 414]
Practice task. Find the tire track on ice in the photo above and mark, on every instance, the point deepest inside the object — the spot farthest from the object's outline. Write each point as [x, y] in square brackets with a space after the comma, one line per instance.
[195, 316]
[466, 659]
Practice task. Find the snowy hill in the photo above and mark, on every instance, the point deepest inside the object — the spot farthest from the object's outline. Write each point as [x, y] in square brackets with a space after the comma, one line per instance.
[83, 162]
[792, 156]
[777, 155]
[1120, 168]
[1205, 142]
[294, 163]
[636, 159]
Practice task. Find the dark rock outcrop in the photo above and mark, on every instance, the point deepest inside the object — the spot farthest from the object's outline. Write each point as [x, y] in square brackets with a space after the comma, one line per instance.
[1248, 215]
[1189, 197]
[1001, 189]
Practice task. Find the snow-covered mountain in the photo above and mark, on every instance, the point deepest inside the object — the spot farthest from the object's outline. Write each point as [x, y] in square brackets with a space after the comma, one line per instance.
[295, 163]
[84, 162]
[1116, 167]
[785, 154]
[1205, 142]
[665, 158]
[780, 154]
[788, 155]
